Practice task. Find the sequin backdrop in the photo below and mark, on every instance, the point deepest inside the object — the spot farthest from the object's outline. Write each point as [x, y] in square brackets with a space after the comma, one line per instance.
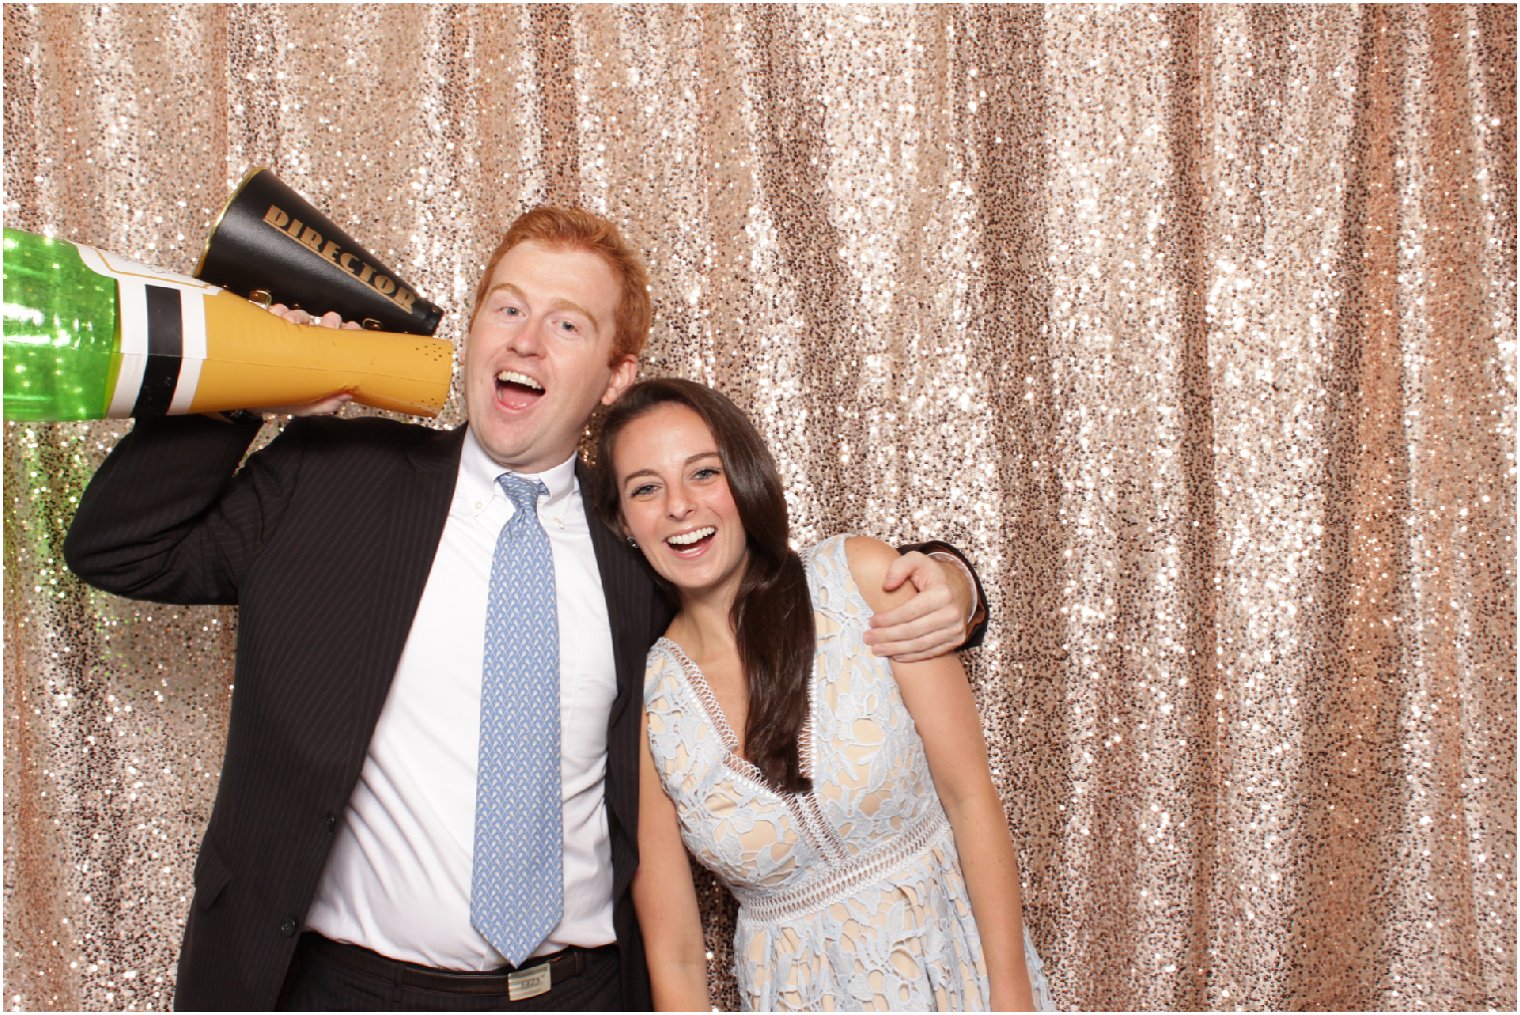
[1195, 326]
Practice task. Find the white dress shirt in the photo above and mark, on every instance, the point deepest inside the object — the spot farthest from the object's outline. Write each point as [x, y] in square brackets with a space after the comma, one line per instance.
[398, 878]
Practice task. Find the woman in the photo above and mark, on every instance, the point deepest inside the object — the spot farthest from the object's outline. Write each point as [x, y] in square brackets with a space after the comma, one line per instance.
[845, 799]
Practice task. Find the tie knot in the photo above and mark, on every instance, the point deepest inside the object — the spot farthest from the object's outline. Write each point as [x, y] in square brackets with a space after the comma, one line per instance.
[523, 493]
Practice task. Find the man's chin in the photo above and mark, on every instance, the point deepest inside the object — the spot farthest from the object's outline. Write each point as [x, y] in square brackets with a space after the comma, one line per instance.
[522, 451]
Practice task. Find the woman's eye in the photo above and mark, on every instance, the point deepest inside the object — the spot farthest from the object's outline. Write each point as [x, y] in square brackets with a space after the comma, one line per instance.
[706, 472]
[642, 491]
[511, 311]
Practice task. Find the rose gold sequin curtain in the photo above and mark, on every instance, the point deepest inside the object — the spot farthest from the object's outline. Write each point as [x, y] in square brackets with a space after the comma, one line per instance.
[1196, 326]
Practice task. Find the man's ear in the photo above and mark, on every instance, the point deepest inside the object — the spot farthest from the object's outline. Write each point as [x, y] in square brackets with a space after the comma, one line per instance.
[624, 370]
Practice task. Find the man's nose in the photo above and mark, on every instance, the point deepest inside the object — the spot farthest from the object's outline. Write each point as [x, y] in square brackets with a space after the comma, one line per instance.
[526, 340]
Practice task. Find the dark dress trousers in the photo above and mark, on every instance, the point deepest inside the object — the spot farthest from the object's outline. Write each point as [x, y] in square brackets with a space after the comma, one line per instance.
[324, 540]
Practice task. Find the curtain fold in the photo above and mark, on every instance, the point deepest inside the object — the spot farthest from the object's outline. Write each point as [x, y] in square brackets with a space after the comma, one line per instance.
[1195, 326]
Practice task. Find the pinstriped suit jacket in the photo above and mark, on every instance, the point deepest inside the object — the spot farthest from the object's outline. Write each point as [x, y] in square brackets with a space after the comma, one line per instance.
[330, 507]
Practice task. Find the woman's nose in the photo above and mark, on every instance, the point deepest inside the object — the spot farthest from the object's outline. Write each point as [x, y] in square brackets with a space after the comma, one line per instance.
[678, 504]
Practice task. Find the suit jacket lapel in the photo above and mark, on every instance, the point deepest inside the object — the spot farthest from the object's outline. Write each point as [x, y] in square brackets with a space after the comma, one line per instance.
[416, 507]
[637, 614]
[627, 588]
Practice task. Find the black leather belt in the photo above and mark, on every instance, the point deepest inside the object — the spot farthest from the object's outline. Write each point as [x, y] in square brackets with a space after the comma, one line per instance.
[536, 976]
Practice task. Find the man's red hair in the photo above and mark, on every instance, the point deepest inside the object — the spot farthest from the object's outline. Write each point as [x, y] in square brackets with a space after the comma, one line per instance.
[578, 229]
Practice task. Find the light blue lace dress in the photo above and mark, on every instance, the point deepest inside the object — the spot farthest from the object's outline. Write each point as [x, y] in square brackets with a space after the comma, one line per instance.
[850, 896]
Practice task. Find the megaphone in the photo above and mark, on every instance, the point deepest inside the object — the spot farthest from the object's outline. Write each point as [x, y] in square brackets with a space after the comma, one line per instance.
[270, 245]
[93, 335]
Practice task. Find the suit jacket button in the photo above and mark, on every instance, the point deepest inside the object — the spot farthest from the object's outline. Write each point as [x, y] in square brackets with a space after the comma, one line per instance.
[288, 928]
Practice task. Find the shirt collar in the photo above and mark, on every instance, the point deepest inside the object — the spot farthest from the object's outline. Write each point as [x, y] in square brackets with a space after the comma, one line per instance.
[477, 480]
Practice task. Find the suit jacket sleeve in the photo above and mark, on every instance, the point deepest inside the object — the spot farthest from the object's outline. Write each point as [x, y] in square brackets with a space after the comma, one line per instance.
[165, 518]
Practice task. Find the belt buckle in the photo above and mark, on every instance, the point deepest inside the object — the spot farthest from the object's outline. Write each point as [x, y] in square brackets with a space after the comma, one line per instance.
[530, 982]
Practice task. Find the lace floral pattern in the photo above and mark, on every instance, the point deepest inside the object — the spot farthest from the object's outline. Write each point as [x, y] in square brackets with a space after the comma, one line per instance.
[851, 896]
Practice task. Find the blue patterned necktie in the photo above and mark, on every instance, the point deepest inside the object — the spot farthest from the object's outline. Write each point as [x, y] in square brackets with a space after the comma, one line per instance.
[517, 884]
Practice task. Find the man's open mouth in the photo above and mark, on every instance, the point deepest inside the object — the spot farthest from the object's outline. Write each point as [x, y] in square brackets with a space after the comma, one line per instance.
[517, 391]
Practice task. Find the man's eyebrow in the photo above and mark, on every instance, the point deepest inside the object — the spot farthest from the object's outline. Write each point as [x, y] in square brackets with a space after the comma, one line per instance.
[504, 287]
[559, 304]
[563, 304]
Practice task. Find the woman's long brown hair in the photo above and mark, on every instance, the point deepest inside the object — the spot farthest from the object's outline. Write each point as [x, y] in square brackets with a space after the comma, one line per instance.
[772, 613]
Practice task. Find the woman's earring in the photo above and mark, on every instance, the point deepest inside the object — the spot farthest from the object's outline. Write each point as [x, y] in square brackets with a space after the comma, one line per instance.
[633, 542]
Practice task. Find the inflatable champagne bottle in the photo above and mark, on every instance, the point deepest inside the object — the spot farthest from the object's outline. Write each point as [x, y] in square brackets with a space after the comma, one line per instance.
[92, 335]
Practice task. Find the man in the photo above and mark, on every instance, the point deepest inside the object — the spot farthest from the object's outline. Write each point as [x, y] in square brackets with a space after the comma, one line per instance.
[348, 862]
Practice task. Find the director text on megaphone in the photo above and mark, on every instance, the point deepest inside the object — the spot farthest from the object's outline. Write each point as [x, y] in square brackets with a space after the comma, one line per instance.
[271, 245]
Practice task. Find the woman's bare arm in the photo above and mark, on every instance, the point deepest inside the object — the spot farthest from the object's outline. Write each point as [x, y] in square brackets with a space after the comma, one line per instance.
[666, 900]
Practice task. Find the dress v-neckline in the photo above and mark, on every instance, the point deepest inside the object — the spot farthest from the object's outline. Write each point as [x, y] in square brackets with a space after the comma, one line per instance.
[697, 681]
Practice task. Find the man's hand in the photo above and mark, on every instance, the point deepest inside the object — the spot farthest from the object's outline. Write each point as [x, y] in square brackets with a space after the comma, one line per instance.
[320, 406]
[930, 624]
[295, 315]
[325, 406]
